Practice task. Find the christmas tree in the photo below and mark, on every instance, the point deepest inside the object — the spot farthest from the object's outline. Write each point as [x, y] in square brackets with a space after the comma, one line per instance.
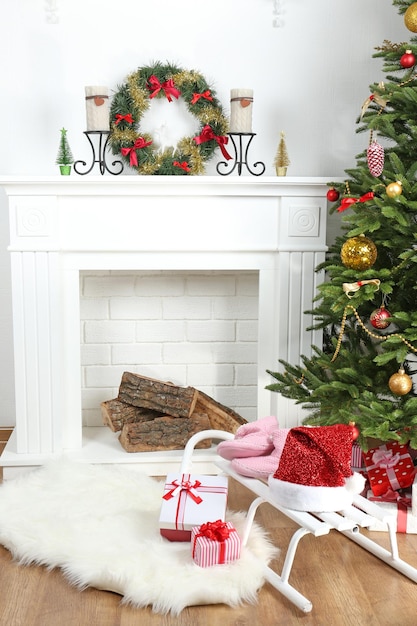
[64, 156]
[282, 160]
[367, 306]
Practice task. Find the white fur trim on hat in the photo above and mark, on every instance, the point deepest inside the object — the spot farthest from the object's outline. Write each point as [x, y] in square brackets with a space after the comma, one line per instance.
[307, 498]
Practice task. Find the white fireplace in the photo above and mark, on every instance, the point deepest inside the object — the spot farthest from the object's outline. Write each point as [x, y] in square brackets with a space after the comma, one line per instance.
[61, 227]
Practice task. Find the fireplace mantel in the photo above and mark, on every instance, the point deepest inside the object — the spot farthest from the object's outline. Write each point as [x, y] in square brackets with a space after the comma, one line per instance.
[60, 226]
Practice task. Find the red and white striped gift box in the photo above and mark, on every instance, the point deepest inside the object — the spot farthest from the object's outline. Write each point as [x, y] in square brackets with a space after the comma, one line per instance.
[357, 461]
[215, 543]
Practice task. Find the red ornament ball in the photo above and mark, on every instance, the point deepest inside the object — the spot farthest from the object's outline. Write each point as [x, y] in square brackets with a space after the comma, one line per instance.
[355, 431]
[378, 318]
[333, 195]
[408, 59]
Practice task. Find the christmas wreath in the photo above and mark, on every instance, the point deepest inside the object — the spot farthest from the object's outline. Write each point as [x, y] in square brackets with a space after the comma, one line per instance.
[134, 97]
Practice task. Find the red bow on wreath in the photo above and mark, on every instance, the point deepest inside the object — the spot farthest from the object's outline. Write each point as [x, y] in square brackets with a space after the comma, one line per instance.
[139, 143]
[206, 95]
[347, 202]
[207, 134]
[184, 165]
[168, 87]
[127, 118]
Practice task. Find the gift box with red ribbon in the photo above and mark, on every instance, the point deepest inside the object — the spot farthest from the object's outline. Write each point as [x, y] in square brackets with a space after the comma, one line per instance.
[398, 505]
[215, 543]
[389, 466]
[414, 496]
[357, 456]
[188, 501]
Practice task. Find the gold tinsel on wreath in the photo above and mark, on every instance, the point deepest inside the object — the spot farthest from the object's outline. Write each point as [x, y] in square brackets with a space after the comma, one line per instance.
[208, 116]
[128, 135]
[186, 76]
[188, 146]
[139, 96]
[150, 168]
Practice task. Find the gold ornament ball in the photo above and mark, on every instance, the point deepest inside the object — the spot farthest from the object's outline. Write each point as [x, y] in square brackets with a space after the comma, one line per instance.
[394, 190]
[400, 383]
[410, 17]
[358, 253]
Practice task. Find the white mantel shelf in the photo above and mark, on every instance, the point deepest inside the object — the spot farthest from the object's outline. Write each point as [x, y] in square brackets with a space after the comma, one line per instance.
[60, 226]
[164, 185]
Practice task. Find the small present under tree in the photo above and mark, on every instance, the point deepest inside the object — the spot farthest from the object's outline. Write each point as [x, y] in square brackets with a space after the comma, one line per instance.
[282, 159]
[64, 156]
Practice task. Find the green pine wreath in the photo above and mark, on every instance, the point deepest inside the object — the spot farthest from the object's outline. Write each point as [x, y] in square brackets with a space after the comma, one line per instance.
[134, 97]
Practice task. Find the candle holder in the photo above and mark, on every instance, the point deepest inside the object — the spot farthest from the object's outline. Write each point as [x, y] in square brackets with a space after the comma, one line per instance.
[241, 155]
[99, 156]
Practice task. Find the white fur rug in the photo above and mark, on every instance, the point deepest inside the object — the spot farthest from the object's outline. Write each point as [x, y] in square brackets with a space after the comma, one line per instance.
[99, 524]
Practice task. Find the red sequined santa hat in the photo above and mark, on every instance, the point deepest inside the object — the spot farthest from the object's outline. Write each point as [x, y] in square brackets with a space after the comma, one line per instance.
[314, 471]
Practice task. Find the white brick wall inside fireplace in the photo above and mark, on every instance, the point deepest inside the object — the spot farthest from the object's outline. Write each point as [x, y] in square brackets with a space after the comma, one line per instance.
[192, 328]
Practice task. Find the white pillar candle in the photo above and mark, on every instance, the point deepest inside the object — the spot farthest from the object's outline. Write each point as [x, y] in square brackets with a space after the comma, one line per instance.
[241, 104]
[97, 108]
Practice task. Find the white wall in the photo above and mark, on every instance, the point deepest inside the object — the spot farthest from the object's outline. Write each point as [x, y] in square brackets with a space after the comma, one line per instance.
[310, 77]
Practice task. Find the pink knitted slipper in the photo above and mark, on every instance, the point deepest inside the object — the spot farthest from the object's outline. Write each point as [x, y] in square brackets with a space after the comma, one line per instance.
[251, 439]
[263, 466]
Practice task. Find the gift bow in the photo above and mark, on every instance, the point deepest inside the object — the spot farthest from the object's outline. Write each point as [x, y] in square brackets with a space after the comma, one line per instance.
[347, 202]
[185, 485]
[385, 458]
[139, 143]
[127, 118]
[216, 531]
[183, 165]
[206, 94]
[207, 134]
[168, 87]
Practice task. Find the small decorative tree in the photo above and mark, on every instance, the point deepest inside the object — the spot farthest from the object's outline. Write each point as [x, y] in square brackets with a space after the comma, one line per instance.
[64, 157]
[282, 159]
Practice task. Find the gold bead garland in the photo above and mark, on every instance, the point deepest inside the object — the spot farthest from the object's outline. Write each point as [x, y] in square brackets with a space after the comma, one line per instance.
[368, 332]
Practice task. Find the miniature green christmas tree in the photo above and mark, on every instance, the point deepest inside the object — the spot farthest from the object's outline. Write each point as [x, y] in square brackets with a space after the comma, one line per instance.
[282, 159]
[367, 307]
[64, 156]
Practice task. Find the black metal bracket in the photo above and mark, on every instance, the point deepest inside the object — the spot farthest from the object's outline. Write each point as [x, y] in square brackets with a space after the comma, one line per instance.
[241, 156]
[99, 155]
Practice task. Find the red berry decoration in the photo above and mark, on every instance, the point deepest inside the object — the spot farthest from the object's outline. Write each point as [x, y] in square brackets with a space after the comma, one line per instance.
[379, 317]
[333, 195]
[408, 59]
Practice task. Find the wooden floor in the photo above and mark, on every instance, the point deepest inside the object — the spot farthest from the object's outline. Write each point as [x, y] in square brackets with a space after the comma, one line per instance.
[346, 585]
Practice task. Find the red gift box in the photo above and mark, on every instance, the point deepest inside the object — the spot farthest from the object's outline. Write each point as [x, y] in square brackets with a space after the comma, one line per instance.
[215, 543]
[189, 500]
[389, 466]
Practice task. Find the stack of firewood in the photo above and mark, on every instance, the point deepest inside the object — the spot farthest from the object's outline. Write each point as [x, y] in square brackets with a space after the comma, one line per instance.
[155, 415]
